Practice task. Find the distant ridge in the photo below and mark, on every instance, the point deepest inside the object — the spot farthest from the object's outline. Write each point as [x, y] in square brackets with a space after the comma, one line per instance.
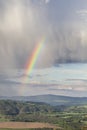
[49, 99]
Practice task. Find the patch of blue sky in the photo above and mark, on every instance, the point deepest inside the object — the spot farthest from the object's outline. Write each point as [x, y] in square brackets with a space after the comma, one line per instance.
[63, 74]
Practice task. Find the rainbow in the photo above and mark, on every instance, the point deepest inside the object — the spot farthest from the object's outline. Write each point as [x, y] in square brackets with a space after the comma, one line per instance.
[31, 63]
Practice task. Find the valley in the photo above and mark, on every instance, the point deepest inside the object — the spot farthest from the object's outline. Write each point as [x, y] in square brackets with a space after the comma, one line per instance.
[67, 117]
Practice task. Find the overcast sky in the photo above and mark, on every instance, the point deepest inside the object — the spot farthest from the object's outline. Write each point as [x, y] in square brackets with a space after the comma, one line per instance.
[23, 22]
[63, 23]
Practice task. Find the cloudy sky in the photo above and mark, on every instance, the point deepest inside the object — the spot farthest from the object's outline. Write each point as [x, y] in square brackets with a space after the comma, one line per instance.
[61, 66]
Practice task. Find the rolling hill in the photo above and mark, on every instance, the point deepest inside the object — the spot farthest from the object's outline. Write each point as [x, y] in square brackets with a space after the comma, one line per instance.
[54, 100]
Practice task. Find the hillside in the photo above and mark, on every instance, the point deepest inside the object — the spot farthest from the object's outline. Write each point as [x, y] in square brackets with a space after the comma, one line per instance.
[51, 99]
[67, 117]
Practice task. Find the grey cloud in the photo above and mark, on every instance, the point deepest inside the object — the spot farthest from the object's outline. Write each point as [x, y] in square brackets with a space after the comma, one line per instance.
[83, 12]
[8, 90]
[23, 23]
[84, 80]
[20, 29]
[46, 1]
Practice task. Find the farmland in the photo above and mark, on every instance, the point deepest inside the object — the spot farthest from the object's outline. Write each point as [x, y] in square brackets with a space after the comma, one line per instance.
[31, 115]
[26, 125]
